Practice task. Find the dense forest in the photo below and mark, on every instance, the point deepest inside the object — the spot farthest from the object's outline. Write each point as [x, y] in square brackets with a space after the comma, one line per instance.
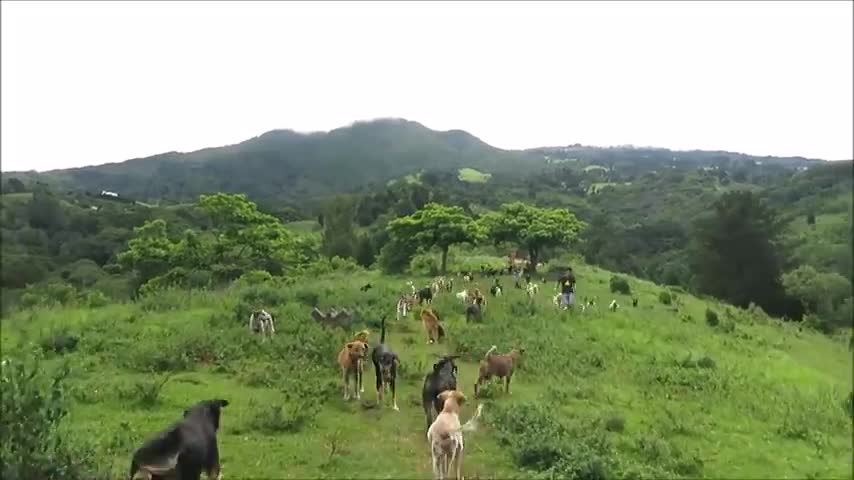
[766, 230]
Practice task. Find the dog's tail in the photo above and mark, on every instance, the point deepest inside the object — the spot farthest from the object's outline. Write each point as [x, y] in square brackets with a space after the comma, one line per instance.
[472, 424]
[382, 330]
[489, 352]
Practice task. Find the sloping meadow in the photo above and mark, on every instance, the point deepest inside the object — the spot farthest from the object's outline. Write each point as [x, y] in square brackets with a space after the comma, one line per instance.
[676, 387]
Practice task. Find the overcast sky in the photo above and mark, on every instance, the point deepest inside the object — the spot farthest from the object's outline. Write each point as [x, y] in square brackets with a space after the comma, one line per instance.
[96, 82]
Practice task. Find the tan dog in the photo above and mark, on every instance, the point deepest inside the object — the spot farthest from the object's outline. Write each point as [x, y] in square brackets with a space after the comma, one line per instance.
[362, 336]
[500, 366]
[432, 325]
[350, 359]
[445, 435]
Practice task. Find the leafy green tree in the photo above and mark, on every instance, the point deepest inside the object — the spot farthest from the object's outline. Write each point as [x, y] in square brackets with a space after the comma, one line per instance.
[45, 212]
[821, 293]
[150, 253]
[435, 225]
[14, 185]
[339, 236]
[247, 237]
[532, 228]
[734, 254]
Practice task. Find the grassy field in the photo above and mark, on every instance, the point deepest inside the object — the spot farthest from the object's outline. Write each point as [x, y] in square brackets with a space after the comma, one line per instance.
[473, 176]
[651, 391]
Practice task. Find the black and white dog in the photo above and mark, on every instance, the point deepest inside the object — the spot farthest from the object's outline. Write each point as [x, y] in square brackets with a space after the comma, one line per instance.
[185, 449]
[443, 377]
[385, 367]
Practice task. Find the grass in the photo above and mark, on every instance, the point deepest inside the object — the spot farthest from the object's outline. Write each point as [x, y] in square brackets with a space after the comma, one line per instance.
[652, 391]
[473, 176]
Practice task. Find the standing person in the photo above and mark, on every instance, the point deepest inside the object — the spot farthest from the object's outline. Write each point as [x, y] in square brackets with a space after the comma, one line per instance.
[566, 283]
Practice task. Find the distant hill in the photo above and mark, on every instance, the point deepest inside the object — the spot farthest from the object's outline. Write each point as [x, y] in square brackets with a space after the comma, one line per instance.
[291, 167]
[286, 165]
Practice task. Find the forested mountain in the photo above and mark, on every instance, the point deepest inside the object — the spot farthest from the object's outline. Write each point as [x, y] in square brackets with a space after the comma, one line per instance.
[640, 205]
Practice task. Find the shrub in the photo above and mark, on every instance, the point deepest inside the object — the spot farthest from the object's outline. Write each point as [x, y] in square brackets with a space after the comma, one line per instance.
[60, 342]
[49, 295]
[620, 285]
[711, 317]
[287, 418]
[615, 424]
[255, 277]
[713, 320]
[146, 393]
[664, 298]
[32, 407]
[96, 299]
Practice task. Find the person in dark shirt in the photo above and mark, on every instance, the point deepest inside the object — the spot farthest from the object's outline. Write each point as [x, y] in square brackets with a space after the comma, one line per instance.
[566, 283]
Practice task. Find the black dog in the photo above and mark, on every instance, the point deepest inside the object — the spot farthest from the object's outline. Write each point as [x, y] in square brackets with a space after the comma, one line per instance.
[425, 295]
[443, 377]
[634, 302]
[185, 449]
[385, 367]
[473, 311]
[366, 287]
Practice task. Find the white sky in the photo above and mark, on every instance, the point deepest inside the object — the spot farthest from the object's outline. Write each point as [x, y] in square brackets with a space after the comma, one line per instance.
[96, 82]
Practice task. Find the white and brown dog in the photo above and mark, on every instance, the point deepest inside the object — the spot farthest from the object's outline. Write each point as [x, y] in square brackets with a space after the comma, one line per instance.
[445, 435]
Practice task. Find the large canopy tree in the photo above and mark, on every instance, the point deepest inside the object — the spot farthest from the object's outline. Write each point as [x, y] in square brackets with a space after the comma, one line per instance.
[735, 254]
[532, 228]
[435, 225]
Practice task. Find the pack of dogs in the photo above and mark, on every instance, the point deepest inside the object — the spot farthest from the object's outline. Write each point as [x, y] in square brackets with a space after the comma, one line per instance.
[188, 447]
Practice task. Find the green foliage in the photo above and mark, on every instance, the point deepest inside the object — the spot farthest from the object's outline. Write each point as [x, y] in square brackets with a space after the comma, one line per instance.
[619, 285]
[826, 295]
[339, 237]
[532, 228]
[32, 408]
[711, 317]
[664, 297]
[435, 225]
[735, 254]
[47, 295]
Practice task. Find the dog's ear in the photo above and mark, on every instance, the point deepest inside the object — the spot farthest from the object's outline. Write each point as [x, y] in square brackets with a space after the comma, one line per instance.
[444, 395]
[222, 403]
[349, 346]
[460, 397]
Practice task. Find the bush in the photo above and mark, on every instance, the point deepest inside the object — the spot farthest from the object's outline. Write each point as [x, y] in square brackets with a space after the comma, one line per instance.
[255, 277]
[620, 285]
[287, 418]
[615, 424]
[60, 342]
[33, 406]
[664, 298]
[49, 295]
[95, 299]
[711, 317]
[146, 393]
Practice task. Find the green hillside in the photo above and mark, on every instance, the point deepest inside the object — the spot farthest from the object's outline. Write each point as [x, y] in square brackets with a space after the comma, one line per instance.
[653, 391]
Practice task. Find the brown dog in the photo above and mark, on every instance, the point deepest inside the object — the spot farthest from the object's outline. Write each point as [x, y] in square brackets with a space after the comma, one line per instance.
[432, 325]
[350, 359]
[500, 366]
[362, 336]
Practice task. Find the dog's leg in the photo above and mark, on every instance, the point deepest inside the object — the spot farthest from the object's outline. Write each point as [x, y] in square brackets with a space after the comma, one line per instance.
[215, 473]
[460, 461]
[394, 393]
[507, 384]
[361, 373]
[346, 381]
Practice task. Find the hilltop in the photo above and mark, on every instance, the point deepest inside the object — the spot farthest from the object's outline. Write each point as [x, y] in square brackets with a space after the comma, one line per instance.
[660, 390]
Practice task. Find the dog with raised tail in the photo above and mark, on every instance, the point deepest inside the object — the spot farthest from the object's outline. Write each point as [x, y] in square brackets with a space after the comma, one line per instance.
[445, 435]
[385, 363]
[501, 366]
